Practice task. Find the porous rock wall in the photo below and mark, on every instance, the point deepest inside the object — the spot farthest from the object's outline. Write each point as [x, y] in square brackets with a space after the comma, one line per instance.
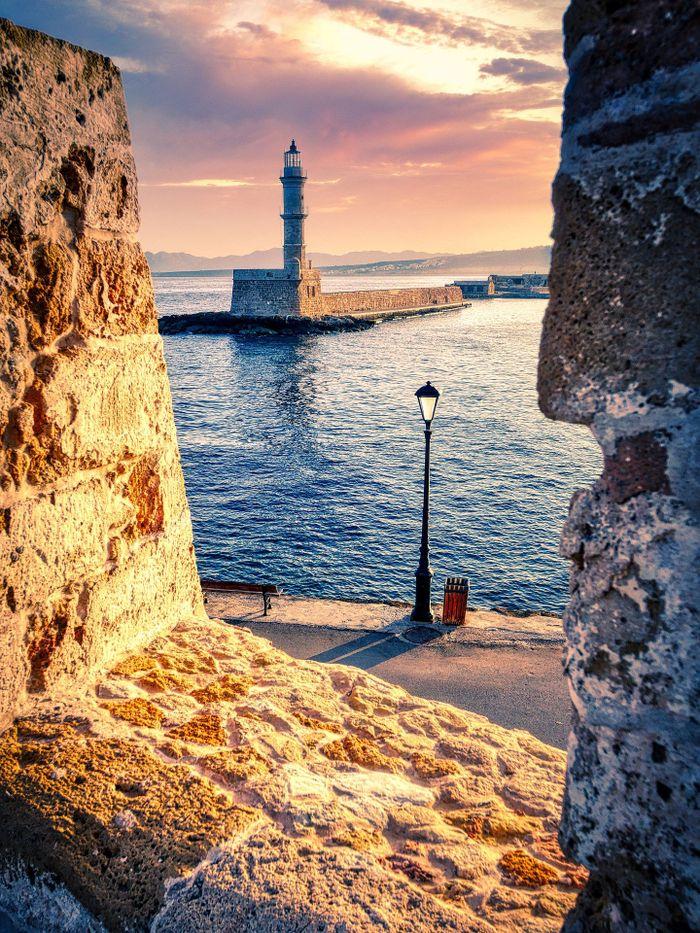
[390, 299]
[619, 353]
[211, 782]
[95, 538]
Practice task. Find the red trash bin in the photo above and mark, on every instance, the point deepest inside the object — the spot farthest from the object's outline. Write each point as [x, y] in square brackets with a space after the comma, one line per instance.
[454, 605]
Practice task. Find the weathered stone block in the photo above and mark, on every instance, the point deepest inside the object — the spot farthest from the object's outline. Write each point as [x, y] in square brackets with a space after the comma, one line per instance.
[276, 293]
[64, 536]
[64, 111]
[617, 47]
[95, 539]
[114, 788]
[90, 407]
[85, 528]
[640, 304]
[47, 298]
[114, 295]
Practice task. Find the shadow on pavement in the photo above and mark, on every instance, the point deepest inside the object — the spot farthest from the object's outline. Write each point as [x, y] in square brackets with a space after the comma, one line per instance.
[372, 648]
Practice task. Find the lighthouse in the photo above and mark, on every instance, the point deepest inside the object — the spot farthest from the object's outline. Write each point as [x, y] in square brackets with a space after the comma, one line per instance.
[294, 214]
[295, 289]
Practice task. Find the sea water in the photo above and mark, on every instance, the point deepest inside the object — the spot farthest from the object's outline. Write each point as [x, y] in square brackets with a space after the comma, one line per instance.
[303, 456]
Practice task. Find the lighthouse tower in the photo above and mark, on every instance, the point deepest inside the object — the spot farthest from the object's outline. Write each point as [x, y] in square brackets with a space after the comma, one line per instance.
[293, 179]
[295, 289]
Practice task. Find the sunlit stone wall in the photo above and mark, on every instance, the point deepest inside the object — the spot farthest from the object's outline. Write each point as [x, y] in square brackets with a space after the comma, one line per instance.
[619, 353]
[271, 293]
[390, 299]
[95, 538]
[275, 293]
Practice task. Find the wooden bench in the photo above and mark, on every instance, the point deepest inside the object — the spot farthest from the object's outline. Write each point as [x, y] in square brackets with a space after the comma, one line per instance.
[267, 590]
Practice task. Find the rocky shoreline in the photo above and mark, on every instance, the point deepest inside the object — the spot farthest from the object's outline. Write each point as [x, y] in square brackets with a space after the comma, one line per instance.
[224, 322]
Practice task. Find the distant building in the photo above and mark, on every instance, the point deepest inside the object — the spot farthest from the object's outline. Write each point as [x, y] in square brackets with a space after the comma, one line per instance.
[527, 285]
[475, 288]
[296, 288]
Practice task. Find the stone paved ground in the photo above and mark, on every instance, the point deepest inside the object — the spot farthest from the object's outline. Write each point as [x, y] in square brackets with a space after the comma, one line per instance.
[482, 626]
[212, 782]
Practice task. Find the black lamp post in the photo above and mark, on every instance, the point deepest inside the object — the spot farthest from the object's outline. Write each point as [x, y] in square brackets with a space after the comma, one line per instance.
[427, 397]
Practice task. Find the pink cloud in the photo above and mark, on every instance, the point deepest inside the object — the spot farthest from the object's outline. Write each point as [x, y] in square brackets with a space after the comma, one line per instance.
[214, 103]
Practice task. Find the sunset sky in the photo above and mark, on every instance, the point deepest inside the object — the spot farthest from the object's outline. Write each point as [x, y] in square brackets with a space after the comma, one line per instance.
[428, 127]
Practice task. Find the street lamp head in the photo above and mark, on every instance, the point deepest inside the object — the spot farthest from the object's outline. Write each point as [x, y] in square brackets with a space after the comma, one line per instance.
[427, 397]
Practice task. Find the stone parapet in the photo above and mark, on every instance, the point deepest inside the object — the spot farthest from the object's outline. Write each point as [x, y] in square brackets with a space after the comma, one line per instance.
[95, 539]
[619, 353]
[390, 299]
[257, 275]
[272, 293]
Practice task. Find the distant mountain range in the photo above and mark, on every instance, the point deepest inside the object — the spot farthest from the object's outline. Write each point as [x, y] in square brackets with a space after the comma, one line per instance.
[529, 259]
[270, 258]
[370, 262]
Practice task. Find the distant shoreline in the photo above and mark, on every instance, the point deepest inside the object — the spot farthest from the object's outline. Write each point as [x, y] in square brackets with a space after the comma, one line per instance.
[226, 273]
[198, 273]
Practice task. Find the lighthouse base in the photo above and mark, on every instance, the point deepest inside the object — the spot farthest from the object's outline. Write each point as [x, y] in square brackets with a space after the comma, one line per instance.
[277, 293]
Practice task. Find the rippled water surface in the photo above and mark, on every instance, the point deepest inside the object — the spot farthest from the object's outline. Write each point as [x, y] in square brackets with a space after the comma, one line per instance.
[303, 456]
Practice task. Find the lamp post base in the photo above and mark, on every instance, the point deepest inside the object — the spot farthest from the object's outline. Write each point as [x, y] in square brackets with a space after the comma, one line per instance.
[417, 616]
[422, 611]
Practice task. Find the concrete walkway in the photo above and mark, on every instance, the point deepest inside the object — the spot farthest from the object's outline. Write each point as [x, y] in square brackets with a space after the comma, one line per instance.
[482, 625]
[506, 667]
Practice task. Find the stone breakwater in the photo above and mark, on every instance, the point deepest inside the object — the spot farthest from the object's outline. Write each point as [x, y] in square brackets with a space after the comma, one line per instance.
[270, 293]
[224, 322]
[95, 539]
[619, 353]
[394, 299]
[209, 781]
